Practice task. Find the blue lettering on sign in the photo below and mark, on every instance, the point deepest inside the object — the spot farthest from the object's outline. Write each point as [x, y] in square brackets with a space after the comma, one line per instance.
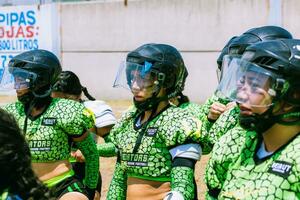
[4, 62]
[31, 17]
[18, 18]
[18, 31]
[19, 45]
[2, 18]
[13, 18]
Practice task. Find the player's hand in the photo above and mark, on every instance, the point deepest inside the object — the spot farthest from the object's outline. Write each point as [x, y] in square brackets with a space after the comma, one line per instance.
[230, 105]
[215, 111]
[78, 156]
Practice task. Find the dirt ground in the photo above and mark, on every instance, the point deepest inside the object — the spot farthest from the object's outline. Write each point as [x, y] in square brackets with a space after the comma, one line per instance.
[107, 164]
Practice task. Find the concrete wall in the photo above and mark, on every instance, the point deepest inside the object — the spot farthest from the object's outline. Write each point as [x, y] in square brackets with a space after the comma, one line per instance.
[95, 36]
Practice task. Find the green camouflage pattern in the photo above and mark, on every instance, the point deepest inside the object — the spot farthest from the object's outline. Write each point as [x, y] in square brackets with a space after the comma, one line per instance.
[181, 181]
[107, 149]
[49, 135]
[274, 177]
[224, 152]
[196, 111]
[212, 131]
[226, 121]
[89, 150]
[152, 160]
[117, 188]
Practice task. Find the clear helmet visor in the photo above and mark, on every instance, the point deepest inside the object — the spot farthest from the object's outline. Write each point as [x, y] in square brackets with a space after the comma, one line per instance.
[246, 82]
[18, 79]
[141, 77]
[225, 64]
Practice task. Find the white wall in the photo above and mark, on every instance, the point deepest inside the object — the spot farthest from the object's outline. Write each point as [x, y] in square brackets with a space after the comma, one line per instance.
[95, 36]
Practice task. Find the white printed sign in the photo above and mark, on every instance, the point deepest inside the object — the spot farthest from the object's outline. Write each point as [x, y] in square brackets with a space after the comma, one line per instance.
[24, 28]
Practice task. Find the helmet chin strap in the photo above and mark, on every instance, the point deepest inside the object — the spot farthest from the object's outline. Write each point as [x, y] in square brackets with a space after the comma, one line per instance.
[41, 96]
[150, 103]
[258, 122]
[261, 123]
[28, 110]
[31, 100]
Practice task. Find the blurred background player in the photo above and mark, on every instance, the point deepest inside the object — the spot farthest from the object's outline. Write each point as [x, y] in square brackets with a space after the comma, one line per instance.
[68, 86]
[49, 124]
[17, 179]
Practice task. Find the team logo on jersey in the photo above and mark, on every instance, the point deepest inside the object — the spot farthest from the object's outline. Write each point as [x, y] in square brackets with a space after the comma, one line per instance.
[39, 145]
[49, 121]
[151, 131]
[133, 159]
[280, 168]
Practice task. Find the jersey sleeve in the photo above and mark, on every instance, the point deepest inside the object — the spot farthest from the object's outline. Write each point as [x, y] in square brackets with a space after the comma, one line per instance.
[126, 116]
[182, 181]
[89, 151]
[210, 135]
[75, 118]
[224, 152]
[181, 131]
[117, 189]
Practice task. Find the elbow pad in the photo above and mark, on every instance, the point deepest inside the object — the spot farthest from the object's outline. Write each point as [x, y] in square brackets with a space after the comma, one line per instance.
[174, 195]
[185, 155]
[191, 151]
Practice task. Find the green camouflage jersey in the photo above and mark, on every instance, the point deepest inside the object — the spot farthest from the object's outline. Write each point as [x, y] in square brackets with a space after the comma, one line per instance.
[209, 131]
[196, 111]
[151, 159]
[49, 135]
[193, 108]
[225, 122]
[212, 131]
[225, 151]
[274, 177]
[206, 106]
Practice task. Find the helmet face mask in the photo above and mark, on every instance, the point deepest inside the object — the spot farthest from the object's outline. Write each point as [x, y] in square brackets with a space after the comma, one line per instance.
[236, 46]
[246, 82]
[34, 70]
[225, 65]
[136, 76]
[153, 68]
[23, 79]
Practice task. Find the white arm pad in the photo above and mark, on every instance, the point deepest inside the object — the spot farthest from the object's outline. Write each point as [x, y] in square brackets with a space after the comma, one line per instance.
[174, 195]
[191, 151]
[103, 113]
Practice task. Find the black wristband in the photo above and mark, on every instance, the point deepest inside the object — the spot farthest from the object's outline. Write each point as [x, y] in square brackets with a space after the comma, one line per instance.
[184, 162]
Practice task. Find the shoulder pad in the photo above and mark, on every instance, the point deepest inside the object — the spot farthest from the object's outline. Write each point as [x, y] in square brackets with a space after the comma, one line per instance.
[103, 113]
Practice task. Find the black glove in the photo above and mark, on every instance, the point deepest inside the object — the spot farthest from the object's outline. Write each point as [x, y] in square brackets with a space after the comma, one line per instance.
[90, 192]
